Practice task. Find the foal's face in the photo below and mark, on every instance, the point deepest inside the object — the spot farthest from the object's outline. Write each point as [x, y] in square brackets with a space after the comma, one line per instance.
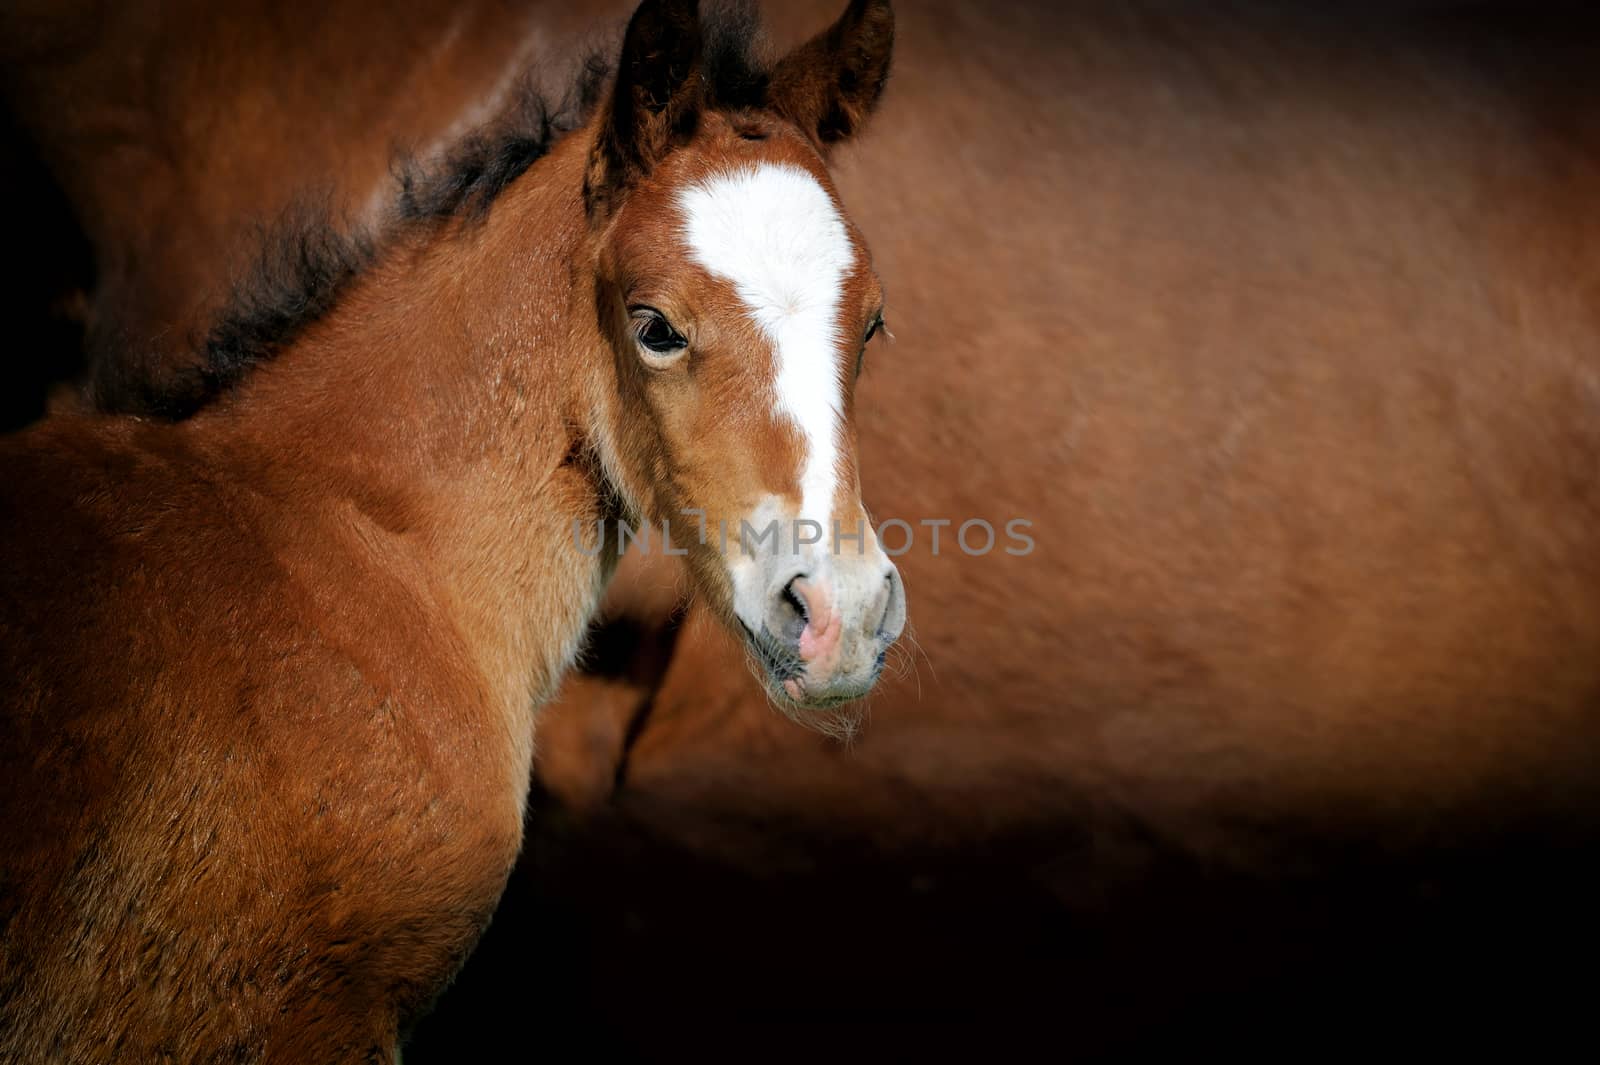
[738, 301]
[742, 303]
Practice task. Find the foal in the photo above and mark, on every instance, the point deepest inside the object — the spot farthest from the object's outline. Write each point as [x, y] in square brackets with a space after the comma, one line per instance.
[274, 668]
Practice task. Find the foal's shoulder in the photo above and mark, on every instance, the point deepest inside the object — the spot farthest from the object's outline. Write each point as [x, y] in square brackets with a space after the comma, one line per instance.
[72, 448]
[94, 504]
[74, 471]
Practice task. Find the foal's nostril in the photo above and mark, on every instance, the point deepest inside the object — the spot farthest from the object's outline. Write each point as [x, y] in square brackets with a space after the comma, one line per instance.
[893, 621]
[792, 597]
[787, 614]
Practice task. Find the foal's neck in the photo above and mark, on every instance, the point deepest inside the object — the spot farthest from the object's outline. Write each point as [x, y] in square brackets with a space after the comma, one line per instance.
[444, 400]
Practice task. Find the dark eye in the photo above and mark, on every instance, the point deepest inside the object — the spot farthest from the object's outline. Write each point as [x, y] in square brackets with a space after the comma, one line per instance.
[652, 329]
[872, 330]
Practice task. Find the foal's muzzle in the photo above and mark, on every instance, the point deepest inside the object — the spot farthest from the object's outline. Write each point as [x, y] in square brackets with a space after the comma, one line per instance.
[828, 624]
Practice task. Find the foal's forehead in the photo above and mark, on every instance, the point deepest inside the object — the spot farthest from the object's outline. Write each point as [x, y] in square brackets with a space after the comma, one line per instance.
[775, 233]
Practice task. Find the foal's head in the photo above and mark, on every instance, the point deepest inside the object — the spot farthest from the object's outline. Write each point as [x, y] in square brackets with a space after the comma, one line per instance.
[737, 302]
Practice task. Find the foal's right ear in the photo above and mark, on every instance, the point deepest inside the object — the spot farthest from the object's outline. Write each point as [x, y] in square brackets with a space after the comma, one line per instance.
[654, 104]
[829, 85]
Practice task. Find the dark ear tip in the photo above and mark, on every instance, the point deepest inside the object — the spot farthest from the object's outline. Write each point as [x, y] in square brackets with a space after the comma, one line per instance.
[832, 83]
[655, 15]
[876, 11]
[869, 22]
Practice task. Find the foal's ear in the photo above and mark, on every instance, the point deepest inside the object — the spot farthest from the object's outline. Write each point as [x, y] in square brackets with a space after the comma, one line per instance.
[654, 104]
[829, 85]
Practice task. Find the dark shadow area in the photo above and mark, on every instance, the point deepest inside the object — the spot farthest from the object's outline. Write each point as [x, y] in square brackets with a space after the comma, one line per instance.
[43, 295]
[610, 942]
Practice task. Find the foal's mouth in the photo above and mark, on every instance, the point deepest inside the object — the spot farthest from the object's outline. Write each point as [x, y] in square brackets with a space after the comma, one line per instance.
[785, 672]
[781, 663]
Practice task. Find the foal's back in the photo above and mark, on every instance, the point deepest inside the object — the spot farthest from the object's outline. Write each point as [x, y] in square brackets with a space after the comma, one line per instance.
[216, 780]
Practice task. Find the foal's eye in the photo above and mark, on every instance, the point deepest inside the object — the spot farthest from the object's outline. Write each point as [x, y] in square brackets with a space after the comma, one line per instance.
[651, 328]
[872, 330]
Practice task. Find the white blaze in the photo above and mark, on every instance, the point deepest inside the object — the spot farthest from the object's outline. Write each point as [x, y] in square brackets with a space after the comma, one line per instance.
[775, 234]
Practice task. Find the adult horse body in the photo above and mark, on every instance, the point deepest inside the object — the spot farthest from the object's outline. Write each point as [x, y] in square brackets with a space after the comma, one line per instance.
[276, 664]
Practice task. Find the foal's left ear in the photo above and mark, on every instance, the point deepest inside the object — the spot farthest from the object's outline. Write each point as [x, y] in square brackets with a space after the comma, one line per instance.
[829, 85]
[654, 104]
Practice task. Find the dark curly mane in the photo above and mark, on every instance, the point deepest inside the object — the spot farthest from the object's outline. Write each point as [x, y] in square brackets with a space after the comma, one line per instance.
[307, 261]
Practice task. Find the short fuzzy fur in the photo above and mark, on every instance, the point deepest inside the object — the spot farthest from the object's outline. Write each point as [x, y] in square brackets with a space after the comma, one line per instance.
[275, 666]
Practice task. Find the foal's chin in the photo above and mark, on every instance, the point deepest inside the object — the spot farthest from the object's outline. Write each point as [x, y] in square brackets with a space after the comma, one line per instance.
[836, 708]
[837, 717]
